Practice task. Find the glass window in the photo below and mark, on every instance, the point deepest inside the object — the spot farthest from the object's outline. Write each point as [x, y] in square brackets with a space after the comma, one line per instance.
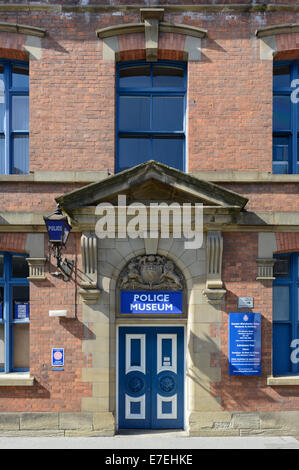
[14, 313]
[19, 266]
[285, 313]
[151, 114]
[20, 77]
[135, 77]
[282, 112]
[285, 117]
[166, 76]
[14, 117]
[134, 113]
[281, 303]
[281, 77]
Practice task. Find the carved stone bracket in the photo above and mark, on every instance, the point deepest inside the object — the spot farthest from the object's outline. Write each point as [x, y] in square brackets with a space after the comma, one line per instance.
[151, 18]
[265, 269]
[89, 277]
[36, 269]
[214, 285]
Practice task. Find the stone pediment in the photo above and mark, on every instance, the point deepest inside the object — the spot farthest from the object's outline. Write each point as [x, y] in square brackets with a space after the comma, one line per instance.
[152, 182]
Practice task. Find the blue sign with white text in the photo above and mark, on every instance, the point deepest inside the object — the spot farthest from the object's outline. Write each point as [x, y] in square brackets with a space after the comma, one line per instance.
[21, 310]
[245, 343]
[151, 302]
[57, 357]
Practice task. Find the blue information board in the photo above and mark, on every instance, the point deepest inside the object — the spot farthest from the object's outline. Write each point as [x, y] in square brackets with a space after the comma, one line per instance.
[245, 343]
[21, 310]
[151, 302]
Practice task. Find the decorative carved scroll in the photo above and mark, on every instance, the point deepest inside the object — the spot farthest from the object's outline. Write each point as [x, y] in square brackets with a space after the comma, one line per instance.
[89, 292]
[89, 261]
[214, 285]
[151, 272]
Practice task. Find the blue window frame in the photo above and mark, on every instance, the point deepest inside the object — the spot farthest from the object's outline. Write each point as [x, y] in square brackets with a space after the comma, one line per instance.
[285, 313]
[285, 117]
[14, 313]
[14, 117]
[151, 104]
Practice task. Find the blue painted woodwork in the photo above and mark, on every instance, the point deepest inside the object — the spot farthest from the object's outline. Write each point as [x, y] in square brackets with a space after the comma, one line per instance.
[150, 113]
[14, 117]
[147, 384]
[13, 289]
[285, 317]
[285, 117]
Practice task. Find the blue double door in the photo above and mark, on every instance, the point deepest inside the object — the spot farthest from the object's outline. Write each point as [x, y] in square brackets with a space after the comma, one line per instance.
[151, 378]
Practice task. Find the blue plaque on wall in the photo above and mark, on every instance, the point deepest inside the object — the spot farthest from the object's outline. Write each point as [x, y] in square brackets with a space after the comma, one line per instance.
[245, 343]
[57, 357]
[151, 302]
[21, 310]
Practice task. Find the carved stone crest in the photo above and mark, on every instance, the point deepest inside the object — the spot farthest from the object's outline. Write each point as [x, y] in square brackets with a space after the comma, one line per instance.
[151, 272]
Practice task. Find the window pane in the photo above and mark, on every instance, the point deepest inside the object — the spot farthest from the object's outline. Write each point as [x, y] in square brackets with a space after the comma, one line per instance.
[168, 113]
[281, 303]
[1, 265]
[20, 154]
[281, 348]
[2, 154]
[281, 77]
[165, 76]
[21, 346]
[132, 151]
[19, 266]
[280, 155]
[282, 267]
[134, 113]
[135, 77]
[1, 302]
[282, 112]
[2, 347]
[20, 113]
[2, 99]
[20, 77]
[169, 151]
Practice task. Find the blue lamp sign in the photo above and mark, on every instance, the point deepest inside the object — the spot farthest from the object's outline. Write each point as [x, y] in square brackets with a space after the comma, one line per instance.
[245, 343]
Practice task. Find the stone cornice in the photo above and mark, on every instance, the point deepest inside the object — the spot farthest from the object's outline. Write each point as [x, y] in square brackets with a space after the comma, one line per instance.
[131, 28]
[92, 8]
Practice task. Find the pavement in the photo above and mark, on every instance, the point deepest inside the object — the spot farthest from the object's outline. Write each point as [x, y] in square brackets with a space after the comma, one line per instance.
[166, 441]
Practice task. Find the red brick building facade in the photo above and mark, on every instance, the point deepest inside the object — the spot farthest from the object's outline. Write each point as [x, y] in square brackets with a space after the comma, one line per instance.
[73, 51]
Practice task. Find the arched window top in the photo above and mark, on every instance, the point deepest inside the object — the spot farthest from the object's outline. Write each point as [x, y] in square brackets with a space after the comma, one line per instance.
[144, 75]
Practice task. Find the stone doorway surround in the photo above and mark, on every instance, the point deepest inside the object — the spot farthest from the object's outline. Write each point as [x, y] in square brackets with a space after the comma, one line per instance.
[200, 267]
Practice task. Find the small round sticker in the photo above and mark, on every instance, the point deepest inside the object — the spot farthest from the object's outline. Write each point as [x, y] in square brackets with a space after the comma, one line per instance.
[57, 355]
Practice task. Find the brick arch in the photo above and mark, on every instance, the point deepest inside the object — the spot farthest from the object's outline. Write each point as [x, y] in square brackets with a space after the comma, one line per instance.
[132, 47]
[287, 242]
[13, 242]
[287, 46]
[12, 46]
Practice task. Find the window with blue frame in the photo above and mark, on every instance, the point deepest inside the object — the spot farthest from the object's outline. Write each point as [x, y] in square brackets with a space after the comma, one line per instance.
[151, 103]
[285, 117]
[14, 117]
[285, 313]
[14, 313]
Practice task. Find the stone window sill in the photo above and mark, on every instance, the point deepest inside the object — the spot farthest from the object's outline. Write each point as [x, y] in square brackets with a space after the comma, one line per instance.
[16, 379]
[283, 380]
